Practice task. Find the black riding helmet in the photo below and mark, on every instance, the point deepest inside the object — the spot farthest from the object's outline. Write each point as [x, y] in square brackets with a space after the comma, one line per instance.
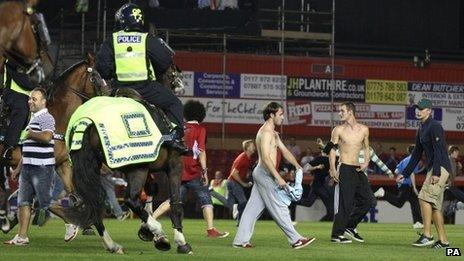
[129, 17]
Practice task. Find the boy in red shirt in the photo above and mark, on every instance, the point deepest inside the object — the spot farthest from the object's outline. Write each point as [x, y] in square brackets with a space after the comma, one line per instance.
[195, 174]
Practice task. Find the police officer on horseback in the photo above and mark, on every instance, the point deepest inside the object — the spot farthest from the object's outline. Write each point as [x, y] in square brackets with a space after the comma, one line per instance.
[17, 87]
[135, 59]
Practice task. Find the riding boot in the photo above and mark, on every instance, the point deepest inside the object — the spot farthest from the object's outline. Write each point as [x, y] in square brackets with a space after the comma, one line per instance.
[177, 143]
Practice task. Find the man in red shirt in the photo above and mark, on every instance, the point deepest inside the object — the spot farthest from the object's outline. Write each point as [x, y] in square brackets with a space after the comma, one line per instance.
[195, 175]
[238, 176]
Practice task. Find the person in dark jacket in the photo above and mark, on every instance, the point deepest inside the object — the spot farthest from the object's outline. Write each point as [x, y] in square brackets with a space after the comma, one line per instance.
[17, 86]
[134, 59]
[430, 138]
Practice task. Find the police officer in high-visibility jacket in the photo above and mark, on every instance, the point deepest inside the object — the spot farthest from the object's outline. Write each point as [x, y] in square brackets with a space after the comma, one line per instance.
[16, 95]
[133, 58]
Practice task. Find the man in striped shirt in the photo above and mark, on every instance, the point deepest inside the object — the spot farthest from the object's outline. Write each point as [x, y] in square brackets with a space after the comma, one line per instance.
[36, 166]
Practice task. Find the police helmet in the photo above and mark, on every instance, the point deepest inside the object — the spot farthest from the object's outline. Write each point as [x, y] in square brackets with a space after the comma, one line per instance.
[129, 17]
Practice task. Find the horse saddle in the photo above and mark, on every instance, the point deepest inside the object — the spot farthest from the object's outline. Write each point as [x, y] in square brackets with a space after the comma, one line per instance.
[159, 117]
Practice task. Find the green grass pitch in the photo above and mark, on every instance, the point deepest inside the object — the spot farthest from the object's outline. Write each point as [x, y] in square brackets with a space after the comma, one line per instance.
[383, 242]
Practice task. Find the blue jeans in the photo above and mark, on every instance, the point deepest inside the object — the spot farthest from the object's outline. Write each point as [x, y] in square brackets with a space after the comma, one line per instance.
[35, 180]
[201, 191]
[236, 195]
[108, 186]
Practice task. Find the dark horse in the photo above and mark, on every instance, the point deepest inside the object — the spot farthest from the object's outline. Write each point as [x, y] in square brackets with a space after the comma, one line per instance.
[73, 87]
[89, 195]
[24, 39]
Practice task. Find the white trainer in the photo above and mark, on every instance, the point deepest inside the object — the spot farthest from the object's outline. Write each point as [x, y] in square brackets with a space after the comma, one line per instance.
[71, 232]
[235, 211]
[18, 241]
[379, 193]
[459, 205]
[417, 225]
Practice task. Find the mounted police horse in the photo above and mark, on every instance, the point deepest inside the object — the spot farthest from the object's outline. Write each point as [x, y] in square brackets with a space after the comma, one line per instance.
[24, 38]
[72, 88]
[121, 133]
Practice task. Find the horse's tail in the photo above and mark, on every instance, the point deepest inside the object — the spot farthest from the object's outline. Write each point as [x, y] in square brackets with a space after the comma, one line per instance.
[89, 196]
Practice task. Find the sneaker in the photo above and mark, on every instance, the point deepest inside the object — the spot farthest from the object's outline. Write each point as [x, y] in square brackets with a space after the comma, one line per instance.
[123, 216]
[246, 245]
[417, 225]
[379, 193]
[294, 223]
[439, 245]
[42, 217]
[353, 233]
[216, 234]
[302, 242]
[341, 240]
[71, 232]
[423, 241]
[235, 211]
[17, 241]
[459, 205]
[8, 225]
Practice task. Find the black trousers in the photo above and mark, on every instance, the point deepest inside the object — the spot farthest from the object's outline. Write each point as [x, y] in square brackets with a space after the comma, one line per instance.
[323, 192]
[352, 200]
[161, 96]
[406, 193]
[18, 117]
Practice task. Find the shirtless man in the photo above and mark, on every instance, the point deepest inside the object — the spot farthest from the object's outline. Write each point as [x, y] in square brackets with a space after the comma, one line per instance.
[266, 179]
[353, 197]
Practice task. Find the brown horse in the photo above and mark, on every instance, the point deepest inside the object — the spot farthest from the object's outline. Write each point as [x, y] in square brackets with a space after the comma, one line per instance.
[74, 86]
[89, 197]
[24, 39]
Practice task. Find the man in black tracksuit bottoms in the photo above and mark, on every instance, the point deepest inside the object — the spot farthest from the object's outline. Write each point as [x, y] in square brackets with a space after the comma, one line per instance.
[353, 196]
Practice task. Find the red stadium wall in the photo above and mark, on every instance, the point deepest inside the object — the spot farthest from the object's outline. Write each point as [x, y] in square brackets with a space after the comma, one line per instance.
[296, 66]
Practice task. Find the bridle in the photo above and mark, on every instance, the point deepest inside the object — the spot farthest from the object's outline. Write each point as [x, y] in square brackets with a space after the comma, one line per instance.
[20, 59]
[97, 81]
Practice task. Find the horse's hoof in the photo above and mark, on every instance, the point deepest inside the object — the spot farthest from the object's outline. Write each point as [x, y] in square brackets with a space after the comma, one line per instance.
[88, 232]
[117, 249]
[162, 243]
[75, 201]
[120, 251]
[145, 233]
[185, 249]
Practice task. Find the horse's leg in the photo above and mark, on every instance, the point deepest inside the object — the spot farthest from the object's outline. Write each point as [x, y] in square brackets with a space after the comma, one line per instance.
[2, 61]
[136, 178]
[136, 181]
[174, 179]
[110, 245]
[64, 170]
[65, 173]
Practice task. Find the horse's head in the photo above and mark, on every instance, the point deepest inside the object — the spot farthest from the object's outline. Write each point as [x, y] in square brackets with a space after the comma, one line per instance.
[27, 44]
[81, 80]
